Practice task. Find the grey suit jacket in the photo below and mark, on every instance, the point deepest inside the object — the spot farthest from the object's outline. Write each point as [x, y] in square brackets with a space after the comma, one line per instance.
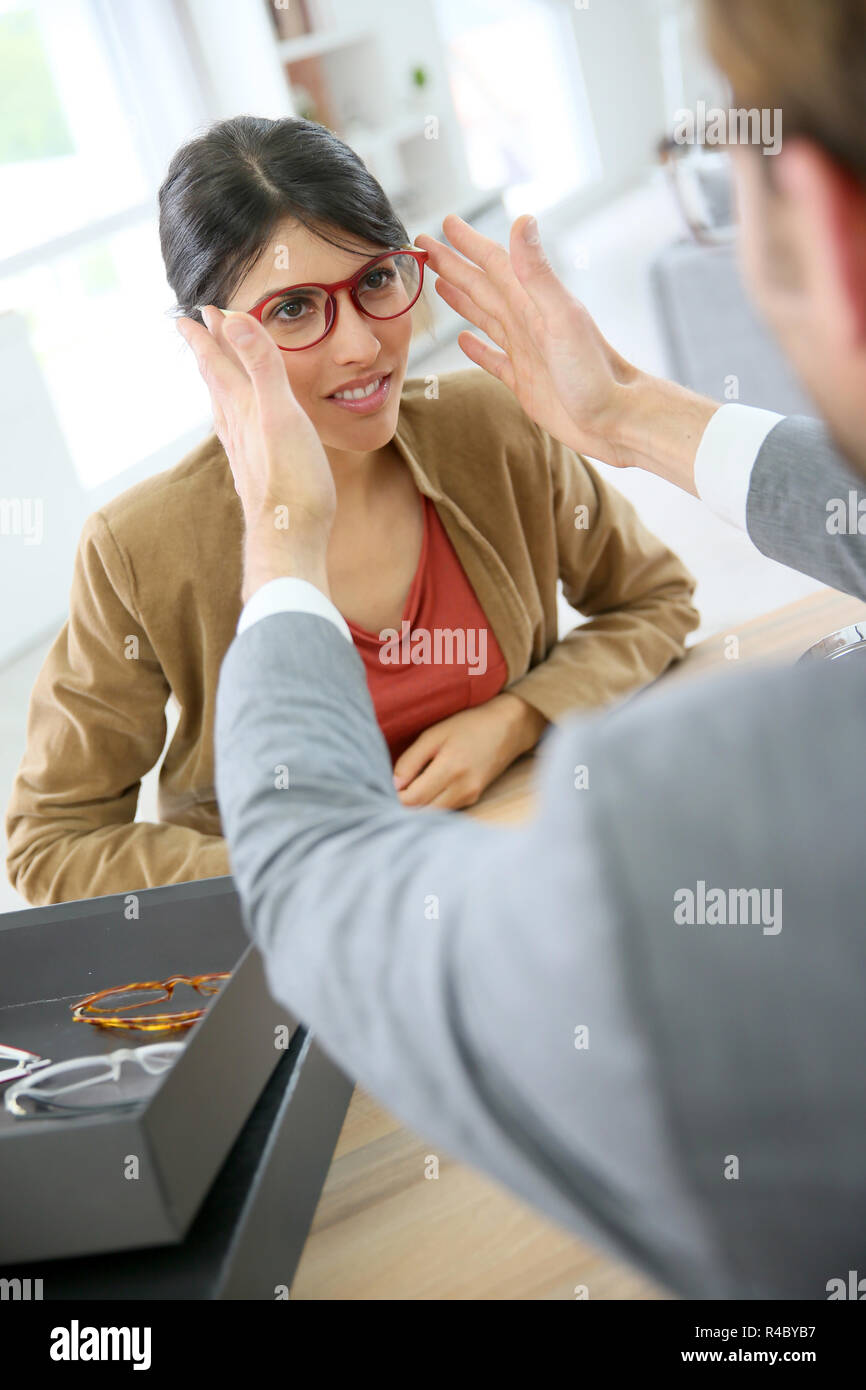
[643, 1011]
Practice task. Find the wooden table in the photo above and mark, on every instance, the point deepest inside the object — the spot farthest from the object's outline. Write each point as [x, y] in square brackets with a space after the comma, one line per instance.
[383, 1230]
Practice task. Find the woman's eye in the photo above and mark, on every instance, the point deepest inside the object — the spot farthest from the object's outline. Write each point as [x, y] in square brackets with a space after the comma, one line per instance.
[293, 308]
[382, 276]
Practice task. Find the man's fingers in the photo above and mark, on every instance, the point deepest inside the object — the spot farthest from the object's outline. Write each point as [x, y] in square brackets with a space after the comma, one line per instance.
[491, 288]
[483, 250]
[437, 252]
[262, 360]
[219, 373]
[466, 307]
[486, 356]
[535, 273]
[216, 319]
[491, 274]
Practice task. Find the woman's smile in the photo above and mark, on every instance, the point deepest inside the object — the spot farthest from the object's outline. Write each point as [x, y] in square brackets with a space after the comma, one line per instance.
[368, 395]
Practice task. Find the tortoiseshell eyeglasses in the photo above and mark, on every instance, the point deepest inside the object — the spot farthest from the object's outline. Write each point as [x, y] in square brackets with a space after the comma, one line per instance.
[88, 1010]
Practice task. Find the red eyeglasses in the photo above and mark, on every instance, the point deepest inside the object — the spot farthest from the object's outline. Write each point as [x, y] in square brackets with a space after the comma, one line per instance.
[302, 315]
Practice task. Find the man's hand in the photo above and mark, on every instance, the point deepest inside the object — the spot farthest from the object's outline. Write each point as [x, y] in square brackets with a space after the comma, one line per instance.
[280, 469]
[452, 762]
[554, 359]
[551, 355]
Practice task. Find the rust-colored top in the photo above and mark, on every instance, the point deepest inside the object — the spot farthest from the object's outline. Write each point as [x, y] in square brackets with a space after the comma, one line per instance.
[445, 657]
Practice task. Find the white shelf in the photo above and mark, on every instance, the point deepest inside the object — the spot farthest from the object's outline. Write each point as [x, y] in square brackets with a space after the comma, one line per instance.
[366, 139]
[318, 44]
[369, 49]
[465, 203]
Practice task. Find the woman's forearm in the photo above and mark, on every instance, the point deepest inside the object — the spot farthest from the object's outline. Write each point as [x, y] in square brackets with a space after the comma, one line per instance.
[56, 864]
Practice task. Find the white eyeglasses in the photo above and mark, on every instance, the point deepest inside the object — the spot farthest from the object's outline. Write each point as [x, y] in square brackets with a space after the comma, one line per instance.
[23, 1062]
[84, 1072]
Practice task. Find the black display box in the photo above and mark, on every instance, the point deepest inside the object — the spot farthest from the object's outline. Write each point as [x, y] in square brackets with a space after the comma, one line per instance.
[65, 1184]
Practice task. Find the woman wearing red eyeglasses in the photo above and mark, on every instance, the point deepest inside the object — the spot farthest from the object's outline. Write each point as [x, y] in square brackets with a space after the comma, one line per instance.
[456, 518]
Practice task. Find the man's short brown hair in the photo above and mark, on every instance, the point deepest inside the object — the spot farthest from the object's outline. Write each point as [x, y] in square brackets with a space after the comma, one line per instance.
[805, 57]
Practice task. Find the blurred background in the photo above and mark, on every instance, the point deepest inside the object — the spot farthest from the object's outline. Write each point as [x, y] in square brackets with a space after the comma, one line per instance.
[487, 108]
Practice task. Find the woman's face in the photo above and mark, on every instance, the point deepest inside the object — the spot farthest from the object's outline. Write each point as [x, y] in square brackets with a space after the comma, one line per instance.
[356, 351]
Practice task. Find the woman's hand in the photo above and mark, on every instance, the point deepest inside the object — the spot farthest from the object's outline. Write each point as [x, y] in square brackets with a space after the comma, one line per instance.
[566, 376]
[280, 469]
[452, 762]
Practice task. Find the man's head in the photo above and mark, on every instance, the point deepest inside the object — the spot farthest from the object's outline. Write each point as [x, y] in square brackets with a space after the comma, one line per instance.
[803, 211]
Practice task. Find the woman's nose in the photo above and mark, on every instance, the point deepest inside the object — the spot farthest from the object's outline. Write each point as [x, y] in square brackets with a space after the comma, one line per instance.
[353, 336]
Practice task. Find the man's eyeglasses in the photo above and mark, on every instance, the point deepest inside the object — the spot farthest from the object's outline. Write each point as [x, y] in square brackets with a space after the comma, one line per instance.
[302, 315]
[685, 165]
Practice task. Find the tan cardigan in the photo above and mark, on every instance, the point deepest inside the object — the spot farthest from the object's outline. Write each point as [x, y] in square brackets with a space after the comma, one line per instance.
[155, 599]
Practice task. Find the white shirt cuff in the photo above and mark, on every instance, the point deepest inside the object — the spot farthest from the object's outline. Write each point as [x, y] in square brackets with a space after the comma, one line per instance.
[726, 456]
[290, 595]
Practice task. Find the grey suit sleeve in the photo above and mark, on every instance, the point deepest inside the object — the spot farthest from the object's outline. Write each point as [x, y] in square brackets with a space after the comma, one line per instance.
[447, 965]
[798, 487]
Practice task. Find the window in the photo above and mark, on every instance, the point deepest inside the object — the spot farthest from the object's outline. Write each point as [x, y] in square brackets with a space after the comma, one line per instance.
[85, 132]
[520, 100]
[66, 153]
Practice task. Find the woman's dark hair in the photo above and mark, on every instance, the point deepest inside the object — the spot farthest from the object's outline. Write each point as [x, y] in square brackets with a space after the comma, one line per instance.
[228, 189]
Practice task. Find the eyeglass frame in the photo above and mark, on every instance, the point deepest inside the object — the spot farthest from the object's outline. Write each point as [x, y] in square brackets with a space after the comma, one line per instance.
[419, 255]
[114, 1060]
[19, 1056]
[671, 155]
[148, 1023]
